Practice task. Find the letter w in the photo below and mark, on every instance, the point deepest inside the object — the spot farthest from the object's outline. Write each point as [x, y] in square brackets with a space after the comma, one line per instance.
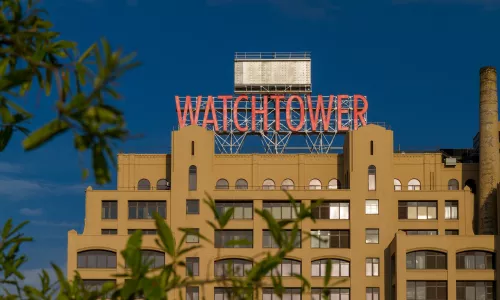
[314, 115]
[188, 107]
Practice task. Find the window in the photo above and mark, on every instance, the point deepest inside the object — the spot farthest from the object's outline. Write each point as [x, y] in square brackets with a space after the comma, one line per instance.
[154, 259]
[334, 184]
[425, 260]
[95, 285]
[109, 231]
[397, 185]
[414, 185]
[476, 290]
[233, 239]
[243, 210]
[475, 260]
[332, 293]
[192, 235]
[96, 259]
[144, 231]
[371, 147]
[232, 267]
[193, 178]
[241, 184]
[268, 184]
[428, 290]
[227, 293]
[192, 292]
[371, 207]
[143, 185]
[287, 268]
[192, 266]
[269, 242]
[451, 210]
[192, 207]
[453, 185]
[109, 209]
[372, 236]
[315, 184]
[145, 209]
[451, 232]
[222, 184]
[339, 268]
[332, 210]
[163, 185]
[330, 238]
[288, 294]
[421, 232]
[192, 147]
[372, 174]
[287, 184]
[372, 266]
[281, 209]
[372, 293]
[423, 210]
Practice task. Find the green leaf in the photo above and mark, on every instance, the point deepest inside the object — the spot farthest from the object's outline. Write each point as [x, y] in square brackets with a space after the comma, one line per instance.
[45, 134]
[165, 234]
[328, 273]
[5, 136]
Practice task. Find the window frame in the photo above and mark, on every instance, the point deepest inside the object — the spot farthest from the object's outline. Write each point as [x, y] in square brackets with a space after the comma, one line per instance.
[372, 178]
[222, 237]
[109, 204]
[266, 235]
[367, 205]
[96, 254]
[224, 264]
[318, 211]
[417, 205]
[336, 265]
[282, 206]
[338, 236]
[193, 265]
[246, 207]
[377, 230]
[371, 292]
[370, 263]
[449, 207]
[197, 205]
[138, 204]
[431, 260]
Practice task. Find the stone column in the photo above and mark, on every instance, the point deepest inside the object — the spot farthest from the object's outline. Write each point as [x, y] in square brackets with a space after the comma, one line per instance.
[488, 151]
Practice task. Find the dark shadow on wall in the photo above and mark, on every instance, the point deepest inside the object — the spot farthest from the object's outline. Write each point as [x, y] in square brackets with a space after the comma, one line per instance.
[471, 183]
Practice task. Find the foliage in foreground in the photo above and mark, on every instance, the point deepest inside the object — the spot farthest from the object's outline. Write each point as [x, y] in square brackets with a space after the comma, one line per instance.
[155, 284]
[32, 54]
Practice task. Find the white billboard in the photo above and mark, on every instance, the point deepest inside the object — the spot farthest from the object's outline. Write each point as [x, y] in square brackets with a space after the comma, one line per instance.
[272, 72]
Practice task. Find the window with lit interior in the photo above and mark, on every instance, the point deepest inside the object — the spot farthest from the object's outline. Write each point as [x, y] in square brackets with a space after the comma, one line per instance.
[372, 176]
[287, 184]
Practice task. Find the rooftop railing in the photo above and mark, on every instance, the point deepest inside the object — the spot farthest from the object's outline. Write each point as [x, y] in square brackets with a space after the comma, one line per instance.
[272, 55]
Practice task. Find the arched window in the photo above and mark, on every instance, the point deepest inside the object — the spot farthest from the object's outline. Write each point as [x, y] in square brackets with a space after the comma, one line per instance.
[372, 174]
[143, 185]
[426, 260]
[287, 268]
[315, 184]
[241, 184]
[268, 184]
[232, 267]
[193, 178]
[453, 184]
[155, 259]
[287, 184]
[397, 185]
[96, 259]
[222, 184]
[476, 260]
[340, 268]
[334, 184]
[414, 185]
[471, 183]
[163, 185]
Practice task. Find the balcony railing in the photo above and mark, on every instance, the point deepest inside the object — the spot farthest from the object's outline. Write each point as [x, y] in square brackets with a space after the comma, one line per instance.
[279, 188]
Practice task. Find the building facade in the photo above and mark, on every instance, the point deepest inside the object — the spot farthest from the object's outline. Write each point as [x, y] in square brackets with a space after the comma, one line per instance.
[396, 225]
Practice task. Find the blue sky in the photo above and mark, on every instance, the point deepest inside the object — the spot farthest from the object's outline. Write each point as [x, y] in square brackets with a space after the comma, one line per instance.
[417, 61]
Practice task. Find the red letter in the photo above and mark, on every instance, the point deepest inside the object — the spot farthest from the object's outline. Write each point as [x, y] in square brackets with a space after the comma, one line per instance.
[259, 111]
[224, 110]
[210, 106]
[289, 113]
[359, 114]
[187, 108]
[277, 99]
[235, 113]
[314, 116]
[341, 111]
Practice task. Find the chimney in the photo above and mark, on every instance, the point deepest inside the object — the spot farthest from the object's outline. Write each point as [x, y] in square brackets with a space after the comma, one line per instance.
[488, 150]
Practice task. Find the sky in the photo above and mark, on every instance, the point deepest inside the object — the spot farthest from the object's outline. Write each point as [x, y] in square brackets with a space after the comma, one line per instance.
[417, 61]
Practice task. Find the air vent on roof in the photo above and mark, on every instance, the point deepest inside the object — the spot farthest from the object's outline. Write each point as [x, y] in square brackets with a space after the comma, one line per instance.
[450, 161]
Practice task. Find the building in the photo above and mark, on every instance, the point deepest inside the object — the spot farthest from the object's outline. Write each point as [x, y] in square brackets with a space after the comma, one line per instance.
[400, 225]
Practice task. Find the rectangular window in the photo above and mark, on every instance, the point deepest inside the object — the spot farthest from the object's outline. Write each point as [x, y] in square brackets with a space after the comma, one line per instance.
[332, 210]
[476, 290]
[451, 210]
[192, 266]
[192, 293]
[109, 209]
[145, 209]
[109, 231]
[233, 239]
[288, 294]
[476, 260]
[371, 207]
[371, 182]
[282, 210]
[421, 232]
[332, 293]
[226, 293]
[428, 290]
[95, 285]
[451, 232]
[372, 236]
[269, 242]
[243, 210]
[372, 293]
[192, 235]
[372, 266]
[192, 207]
[330, 239]
[422, 210]
[426, 260]
[144, 231]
